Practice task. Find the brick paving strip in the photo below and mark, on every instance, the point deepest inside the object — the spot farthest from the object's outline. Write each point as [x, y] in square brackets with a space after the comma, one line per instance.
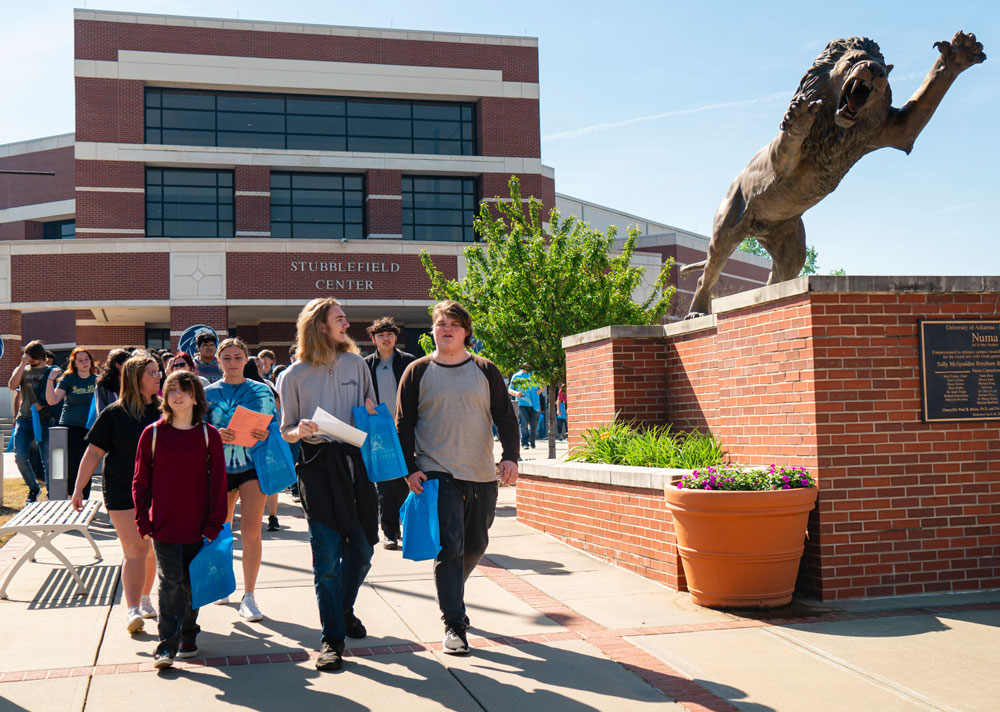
[612, 642]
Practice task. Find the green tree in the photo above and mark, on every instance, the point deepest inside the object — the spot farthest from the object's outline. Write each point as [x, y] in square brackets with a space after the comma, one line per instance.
[751, 246]
[527, 290]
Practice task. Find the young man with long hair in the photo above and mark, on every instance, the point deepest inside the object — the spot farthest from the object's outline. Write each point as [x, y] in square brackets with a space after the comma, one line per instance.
[31, 377]
[115, 435]
[338, 499]
[447, 404]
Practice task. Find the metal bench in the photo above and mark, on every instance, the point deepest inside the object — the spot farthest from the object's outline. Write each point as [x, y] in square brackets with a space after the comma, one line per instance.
[44, 521]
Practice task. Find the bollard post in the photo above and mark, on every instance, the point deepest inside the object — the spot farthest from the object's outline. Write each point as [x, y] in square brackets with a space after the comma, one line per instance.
[58, 462]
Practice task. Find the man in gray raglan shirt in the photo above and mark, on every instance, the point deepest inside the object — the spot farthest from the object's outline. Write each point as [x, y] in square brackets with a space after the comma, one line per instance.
[446, 405]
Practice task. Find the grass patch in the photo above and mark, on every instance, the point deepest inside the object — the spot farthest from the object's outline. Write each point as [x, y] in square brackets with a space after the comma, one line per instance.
[14, 494]
[618, 443]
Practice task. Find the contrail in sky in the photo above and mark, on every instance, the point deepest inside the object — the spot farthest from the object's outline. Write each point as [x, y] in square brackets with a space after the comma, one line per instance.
[666, 114]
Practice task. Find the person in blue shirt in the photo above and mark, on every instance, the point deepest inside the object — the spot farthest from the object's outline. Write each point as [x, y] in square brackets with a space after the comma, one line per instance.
[223, 398]
[524, 388]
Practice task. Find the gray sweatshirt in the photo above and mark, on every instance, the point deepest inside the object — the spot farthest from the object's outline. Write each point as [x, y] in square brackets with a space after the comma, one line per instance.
[335, 387]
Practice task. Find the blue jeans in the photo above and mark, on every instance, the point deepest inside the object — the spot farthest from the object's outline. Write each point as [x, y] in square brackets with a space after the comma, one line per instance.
[339, 569]
[23, 437]
[528, 418]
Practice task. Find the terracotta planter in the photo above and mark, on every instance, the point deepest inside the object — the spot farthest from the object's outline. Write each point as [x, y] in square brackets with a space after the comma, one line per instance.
[740, 549]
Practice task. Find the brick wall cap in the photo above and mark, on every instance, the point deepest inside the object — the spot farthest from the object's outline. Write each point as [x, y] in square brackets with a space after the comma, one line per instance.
[652, 478]
[904, 283]
[612, 332]
[687, 326]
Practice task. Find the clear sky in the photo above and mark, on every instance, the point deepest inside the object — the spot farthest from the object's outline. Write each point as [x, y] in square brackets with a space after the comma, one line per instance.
[654, 107]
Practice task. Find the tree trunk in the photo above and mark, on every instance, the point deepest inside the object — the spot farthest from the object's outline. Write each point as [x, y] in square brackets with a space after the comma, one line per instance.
[550, 420]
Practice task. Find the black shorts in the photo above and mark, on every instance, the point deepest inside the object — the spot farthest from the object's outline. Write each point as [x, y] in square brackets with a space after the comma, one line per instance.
[235, 479]
[117, 498]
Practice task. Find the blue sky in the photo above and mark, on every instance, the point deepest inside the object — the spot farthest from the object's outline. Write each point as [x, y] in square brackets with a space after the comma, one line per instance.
[654, 107]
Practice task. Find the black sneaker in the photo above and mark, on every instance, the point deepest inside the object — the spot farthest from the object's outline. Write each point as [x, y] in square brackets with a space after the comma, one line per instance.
[329, 658]
[162, 660]
[32, 496]
[272, 523]
[391, 543]
[187, 650]
[353, 626]
[455, 642]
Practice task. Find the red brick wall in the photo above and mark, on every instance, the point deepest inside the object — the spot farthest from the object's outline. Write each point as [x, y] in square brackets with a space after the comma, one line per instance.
[122, 275]
[110, 174]
[112, 211]
[110, 110]
[101, 40]
[509, 127]
[10, 326]
[830, 381]
[625, 376]
[110, 335]
[624, 525]
[18, 190]
[384, 215]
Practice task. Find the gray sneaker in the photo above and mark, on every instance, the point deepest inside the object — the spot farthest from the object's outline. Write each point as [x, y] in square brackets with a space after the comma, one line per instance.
[455, 642]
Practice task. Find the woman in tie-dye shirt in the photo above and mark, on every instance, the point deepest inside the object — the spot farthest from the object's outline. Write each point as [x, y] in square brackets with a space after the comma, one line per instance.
[223, 398]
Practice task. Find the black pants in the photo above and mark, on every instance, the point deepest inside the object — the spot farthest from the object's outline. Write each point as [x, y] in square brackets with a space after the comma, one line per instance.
[465, 515]
[178, 621]
[76, 445]
[391, 494]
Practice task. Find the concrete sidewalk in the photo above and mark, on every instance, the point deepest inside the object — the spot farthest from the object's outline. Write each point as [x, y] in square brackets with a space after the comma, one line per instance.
[553, 629]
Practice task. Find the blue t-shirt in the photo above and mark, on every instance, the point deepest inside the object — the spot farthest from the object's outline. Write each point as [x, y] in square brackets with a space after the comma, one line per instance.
[222, 400]
[79, 394]
[522, 381]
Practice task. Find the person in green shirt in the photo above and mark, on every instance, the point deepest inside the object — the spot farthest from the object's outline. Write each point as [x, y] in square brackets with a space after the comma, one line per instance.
[75, 387]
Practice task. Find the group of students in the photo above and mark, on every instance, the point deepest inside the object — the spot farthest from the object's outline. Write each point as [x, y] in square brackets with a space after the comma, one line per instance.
[173, 473]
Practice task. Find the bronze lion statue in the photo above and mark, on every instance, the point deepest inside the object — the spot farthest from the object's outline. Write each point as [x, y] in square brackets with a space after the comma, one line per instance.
[841, 111]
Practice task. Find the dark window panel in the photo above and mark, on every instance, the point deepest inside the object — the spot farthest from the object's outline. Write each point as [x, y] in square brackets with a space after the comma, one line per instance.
[280, 213]
[352, 182]
[262, 103]
[306, 213]
[184, 99]
[437, 129]
[190, 228]
[179, 137]
[251, 140]
[306, 142]
[154, 176]
[154, 211]
[225, 212]
[281, 230]
[153, 136]
[183, 119]
[442, 112]
[380, 128]
[319, 181]
[379, 145]
[322, 125]
[279, 180]
[226, 229]
[152, 97]
[317, 106]
[153, 118]
[254, 123]
[439, 148]
[379, 109]
[280, 196]
[354, 231]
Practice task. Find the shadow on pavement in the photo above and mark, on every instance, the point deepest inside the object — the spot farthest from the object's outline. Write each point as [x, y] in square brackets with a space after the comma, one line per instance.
[535, 566]
[59, 588]
[733, 695]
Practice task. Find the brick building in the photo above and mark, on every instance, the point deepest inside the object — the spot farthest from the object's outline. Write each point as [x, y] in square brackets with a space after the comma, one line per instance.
[224, 172]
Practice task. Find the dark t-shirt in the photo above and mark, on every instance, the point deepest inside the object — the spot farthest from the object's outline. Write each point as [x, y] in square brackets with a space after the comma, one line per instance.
[79, 394]
[117, 433]
[33, 377]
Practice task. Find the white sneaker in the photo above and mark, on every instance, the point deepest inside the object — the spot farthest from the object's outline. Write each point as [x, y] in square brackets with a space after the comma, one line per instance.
[146, 609]
[249, 610]
[135, 622]
[224, 601]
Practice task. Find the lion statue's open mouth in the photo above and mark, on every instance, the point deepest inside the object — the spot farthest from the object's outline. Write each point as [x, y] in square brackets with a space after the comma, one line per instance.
[858, 88]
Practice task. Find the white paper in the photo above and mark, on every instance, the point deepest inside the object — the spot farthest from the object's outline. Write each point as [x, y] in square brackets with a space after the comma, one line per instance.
[331, 425]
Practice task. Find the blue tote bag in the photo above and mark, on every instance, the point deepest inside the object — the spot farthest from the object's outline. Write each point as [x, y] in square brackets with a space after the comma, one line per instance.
[36, 424]
[419, 518]
[381, 451]
[211, 569]
[92, 415]
[272, 459]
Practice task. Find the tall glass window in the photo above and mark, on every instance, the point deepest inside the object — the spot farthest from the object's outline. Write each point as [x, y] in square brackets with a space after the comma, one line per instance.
[189, 203]
[59, 230]
[290, 121]
[317, 205]
[439, 208]
[157, 338]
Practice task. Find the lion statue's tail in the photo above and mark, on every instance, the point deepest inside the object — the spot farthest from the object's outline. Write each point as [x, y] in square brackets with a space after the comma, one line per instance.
[688, 269]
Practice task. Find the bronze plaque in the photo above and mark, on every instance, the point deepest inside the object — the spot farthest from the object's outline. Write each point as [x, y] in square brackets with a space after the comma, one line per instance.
[960, 369]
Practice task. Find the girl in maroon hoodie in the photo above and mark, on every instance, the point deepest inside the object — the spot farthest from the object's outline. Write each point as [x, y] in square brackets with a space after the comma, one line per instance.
[180, 496]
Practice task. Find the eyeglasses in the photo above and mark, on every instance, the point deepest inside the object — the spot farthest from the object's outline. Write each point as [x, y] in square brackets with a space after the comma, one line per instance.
[158, 374]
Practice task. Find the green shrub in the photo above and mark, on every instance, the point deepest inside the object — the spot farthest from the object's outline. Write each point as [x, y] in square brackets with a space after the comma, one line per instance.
[618, 443]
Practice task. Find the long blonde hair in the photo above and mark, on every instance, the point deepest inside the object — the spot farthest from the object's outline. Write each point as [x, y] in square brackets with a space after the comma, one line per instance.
[131, 393]
[313, 344]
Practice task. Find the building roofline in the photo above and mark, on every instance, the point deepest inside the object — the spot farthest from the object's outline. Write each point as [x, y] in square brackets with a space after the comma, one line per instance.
[302, 28]
[33, 145]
